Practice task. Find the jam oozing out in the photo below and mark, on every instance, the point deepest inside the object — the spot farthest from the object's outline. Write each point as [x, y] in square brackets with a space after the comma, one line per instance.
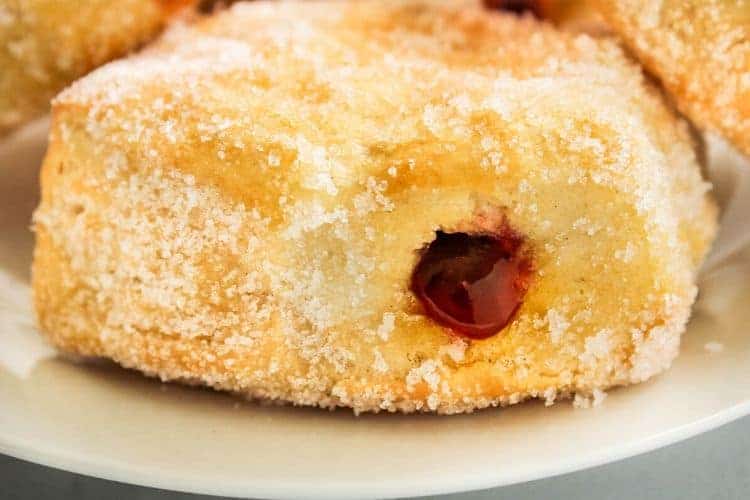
[472, 284]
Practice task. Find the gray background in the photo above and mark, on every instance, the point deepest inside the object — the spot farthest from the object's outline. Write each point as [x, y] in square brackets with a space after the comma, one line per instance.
[715, 465]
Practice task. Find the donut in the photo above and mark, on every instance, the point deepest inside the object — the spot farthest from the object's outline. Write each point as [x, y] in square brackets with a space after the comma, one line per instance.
[700, 50]
[401, 206]
[46, 44]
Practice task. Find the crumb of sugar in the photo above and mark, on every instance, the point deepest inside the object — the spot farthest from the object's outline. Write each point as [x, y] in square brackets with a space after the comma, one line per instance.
[426, 372]
[432, 401]
[596, 398]
[386, 326]
[558, 325]
[596, 347]
[550, 394]
[379, 363]
[456, 350]
[273, 160]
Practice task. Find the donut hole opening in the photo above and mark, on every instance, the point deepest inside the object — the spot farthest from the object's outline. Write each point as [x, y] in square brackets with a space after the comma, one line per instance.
[472, 283]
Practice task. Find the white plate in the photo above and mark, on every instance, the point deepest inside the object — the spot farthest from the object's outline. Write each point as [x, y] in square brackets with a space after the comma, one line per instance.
[107, 422]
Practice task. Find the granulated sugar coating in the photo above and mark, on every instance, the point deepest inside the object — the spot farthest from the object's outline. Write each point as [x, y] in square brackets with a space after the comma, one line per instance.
[46, 44]
[700, 50]
[242, 206]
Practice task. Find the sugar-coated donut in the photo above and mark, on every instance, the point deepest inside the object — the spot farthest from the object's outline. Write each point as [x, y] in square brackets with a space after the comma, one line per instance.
[700, 50]
[402, 206]
[46, 44]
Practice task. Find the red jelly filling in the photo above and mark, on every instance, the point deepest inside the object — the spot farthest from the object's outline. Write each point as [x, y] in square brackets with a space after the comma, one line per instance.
[472, 284]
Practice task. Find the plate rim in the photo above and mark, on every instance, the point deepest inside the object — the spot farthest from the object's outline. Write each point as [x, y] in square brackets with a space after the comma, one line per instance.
[112, 470]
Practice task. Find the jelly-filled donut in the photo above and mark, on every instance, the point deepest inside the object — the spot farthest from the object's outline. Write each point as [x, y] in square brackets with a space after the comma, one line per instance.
[46, 44]
[401, 206]
[700, 50]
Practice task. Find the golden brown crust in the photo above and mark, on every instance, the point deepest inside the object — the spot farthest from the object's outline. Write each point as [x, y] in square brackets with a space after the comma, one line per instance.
[46, 44]
[241, 206]
[700, 50]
